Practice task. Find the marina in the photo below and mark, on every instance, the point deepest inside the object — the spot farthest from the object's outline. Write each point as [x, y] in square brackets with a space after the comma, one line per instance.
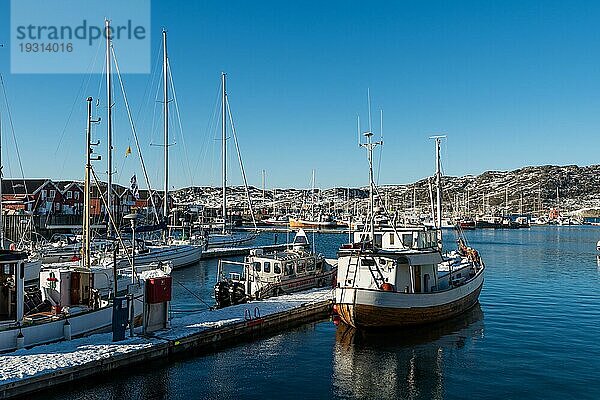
[316, 200]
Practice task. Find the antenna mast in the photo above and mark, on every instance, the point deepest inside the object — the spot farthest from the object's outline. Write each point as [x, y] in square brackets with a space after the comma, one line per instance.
[370, 145]
[438, 184]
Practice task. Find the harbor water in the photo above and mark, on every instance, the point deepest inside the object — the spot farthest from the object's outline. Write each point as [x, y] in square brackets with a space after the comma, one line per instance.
[534, 335]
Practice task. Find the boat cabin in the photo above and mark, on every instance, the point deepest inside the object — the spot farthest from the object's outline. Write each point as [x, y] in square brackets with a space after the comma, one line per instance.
[12, 287]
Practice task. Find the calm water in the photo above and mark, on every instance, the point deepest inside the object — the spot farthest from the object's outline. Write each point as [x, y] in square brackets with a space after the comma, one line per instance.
[536, 334]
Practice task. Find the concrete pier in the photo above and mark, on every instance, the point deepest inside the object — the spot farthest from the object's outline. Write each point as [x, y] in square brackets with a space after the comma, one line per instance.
[43, 367]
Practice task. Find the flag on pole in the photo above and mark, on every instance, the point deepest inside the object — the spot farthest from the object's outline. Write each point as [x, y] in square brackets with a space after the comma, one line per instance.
[134, 187]
[128, 151]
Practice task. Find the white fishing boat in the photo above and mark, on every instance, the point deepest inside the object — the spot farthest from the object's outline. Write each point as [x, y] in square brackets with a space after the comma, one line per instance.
[399, 276]
[65, 305]
[263, 275]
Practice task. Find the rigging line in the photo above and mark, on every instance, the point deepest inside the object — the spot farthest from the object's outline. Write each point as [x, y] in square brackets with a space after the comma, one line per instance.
[84, 85]
[150, 83]
[112, 221]
[381, 147]
[193, 294]
[12, 129]
[137, 143]
[237, 148]
[185, 152]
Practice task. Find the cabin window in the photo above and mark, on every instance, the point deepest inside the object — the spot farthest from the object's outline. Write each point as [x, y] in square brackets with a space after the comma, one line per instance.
[301, 267]
[392, 238]
[407, 239]
[57, 207]
[256, 266]
[76, 195]
[52, 193]
[44, 194]
[378, 240]
[289, 268]
[267, 266]
[367, 262]
[277, 268]
[310, 265]
[69, 195]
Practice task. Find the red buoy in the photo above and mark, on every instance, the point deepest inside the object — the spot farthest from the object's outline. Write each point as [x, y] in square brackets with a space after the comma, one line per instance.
[387, 287]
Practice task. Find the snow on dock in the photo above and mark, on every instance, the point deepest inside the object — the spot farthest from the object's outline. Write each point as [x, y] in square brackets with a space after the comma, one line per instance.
[28, 370]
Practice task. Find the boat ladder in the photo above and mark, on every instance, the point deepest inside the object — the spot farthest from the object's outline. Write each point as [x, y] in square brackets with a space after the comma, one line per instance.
[376, 273]
[352, 270]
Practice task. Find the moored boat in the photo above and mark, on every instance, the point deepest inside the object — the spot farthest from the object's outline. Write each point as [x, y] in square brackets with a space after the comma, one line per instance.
[263, 275]
[400, 277]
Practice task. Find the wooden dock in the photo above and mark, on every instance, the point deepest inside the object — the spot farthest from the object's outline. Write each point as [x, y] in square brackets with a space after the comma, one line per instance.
[43, 367]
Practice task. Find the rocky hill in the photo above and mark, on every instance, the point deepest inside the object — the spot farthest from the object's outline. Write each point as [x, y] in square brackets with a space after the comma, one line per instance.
[525, 190]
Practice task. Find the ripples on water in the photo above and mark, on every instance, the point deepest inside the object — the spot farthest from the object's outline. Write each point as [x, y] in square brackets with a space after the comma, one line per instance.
[535, 335]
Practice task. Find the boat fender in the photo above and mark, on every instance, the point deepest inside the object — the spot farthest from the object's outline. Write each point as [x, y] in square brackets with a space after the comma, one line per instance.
[67, 330]
[387, 287]
[20, 340]
[12, 247]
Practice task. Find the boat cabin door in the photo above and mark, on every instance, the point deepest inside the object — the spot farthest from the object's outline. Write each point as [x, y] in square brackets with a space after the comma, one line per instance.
[417, 272]
[12, 285]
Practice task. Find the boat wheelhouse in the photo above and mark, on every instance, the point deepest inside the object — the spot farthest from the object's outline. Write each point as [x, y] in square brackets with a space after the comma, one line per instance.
[263, 275]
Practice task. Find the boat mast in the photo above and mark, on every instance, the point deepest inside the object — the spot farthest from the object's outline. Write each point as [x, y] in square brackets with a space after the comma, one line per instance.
[109, 124]
[1, 209]
[224, 148]
[312, 196]
[87, 231]
[438, 181]
[166, 126]
[370, 145]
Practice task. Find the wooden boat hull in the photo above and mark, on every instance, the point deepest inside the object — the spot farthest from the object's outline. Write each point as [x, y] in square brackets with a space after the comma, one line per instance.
[363, 308]
[298, 223]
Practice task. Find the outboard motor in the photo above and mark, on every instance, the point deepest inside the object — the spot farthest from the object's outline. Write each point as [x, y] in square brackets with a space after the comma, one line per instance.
[237, 293]
[222, 294]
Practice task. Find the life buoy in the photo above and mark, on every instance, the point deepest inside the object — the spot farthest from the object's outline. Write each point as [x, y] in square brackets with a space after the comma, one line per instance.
[387, 287]
[12, 247]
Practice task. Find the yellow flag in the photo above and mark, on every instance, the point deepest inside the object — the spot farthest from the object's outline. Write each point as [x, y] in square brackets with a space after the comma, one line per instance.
[128, 151]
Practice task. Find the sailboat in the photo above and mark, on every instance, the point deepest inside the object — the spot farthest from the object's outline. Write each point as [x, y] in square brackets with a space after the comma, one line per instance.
[32, 264]
[399, 276]
[226, 237]
[313, 220]
[66, 304]
[177, 253]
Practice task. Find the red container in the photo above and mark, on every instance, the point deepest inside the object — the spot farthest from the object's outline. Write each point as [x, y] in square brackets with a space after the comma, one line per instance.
[158, 290]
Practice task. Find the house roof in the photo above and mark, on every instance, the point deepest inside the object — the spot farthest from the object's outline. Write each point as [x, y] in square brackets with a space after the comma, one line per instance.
[23, 186]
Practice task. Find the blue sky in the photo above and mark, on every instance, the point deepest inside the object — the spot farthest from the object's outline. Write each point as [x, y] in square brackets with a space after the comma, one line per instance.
[510, 83]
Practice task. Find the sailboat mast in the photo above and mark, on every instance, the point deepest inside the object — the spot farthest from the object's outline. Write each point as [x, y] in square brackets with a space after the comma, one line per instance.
[1, 209]
[87, 195]
[224, 147]
[312, 195]
[166, 125]
[109, 124]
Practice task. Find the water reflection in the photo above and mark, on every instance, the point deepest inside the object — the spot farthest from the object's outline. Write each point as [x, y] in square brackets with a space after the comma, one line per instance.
[400, 364]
